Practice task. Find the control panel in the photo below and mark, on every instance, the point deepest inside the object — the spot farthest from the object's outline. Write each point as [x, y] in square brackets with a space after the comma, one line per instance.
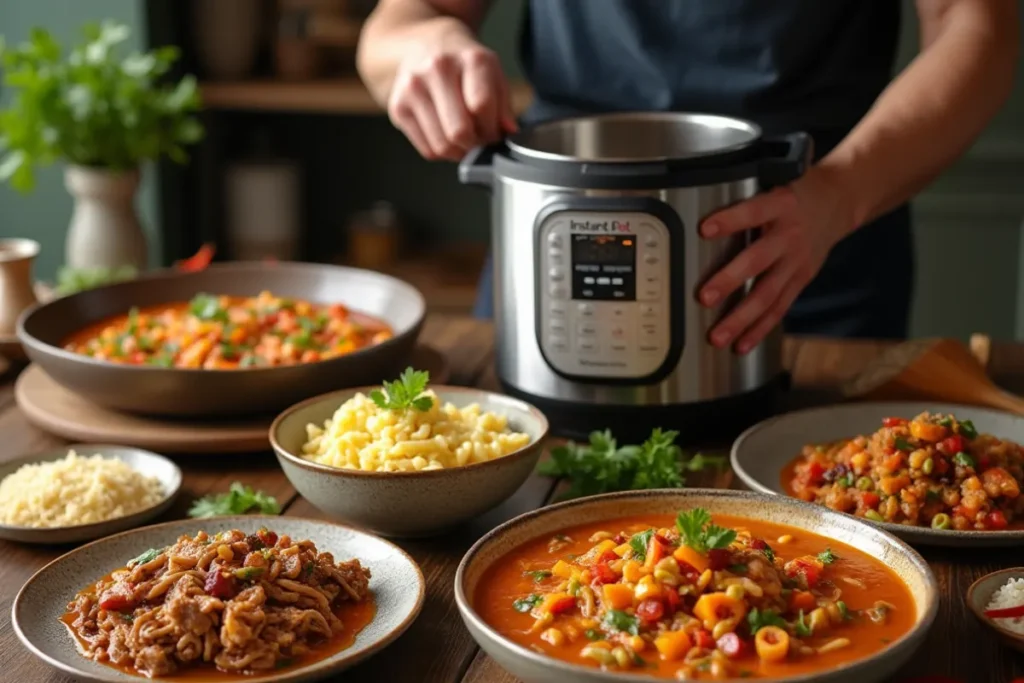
[603, 284]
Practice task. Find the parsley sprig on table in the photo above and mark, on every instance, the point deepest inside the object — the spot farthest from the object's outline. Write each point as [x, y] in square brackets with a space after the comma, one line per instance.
[239, 500]
[700, 534]
[602, 466]
[404, 393]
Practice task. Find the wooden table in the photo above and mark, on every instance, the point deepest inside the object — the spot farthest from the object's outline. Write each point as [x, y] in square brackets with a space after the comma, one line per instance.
[437, 647]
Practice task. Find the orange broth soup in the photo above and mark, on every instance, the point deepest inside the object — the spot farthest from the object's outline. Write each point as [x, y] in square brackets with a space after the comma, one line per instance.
[707, 598]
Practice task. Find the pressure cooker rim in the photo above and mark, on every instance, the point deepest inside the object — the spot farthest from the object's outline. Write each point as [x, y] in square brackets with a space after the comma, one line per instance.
[545, 142]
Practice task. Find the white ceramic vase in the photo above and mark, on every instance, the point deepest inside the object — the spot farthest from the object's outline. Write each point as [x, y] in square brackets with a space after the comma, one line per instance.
[105, 230]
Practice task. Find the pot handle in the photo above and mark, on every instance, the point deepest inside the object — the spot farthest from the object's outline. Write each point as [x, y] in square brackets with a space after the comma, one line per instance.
[786, 159]
[477, 167]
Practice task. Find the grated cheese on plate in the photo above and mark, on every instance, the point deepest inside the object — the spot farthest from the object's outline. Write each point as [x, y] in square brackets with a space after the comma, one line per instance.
[1010, 594]
[75, 490]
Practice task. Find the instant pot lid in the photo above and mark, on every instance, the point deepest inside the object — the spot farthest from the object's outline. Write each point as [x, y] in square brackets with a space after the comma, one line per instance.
[633, 138]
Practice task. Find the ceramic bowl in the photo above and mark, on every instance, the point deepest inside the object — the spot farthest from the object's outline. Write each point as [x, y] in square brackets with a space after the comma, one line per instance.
[182, 392]
[534, 667]
[142, 461]
[408, 504]
[978, 596]
[396, 582]
[761, 453]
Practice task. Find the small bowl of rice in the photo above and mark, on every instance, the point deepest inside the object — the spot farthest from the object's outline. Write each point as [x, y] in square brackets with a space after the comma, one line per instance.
[408, 472]
[83, 492]
[997, 600]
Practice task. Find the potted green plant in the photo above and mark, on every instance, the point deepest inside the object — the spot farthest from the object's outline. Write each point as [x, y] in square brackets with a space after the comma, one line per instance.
[102, 113]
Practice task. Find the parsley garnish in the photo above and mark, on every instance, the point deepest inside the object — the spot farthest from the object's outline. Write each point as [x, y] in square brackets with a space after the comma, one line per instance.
[207, 307]
[700, 534]
[593, 634]
[844, 611]
[963, 459]
[768, 552]
[622, 621]
[967, 429]
[932, 495]
[238, 500]
[405, 393]
[145, 557]
[639, 542]
[903, 444]
[538, 575]
[528, 603]
[803, 629]
[738, 568]
[602, 466]
[827, 556]
[758, 619]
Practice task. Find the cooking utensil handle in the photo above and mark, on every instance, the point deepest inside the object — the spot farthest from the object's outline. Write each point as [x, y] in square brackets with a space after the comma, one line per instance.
[477, 167]
[786, 159]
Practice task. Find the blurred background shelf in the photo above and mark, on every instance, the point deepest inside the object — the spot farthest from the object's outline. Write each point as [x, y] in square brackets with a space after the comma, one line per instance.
[333, 96]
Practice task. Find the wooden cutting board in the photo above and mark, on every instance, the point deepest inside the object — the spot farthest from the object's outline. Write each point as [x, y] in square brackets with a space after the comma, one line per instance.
[63, 413]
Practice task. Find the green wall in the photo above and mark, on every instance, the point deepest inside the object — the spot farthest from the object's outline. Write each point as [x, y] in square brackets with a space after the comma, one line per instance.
[44, 215]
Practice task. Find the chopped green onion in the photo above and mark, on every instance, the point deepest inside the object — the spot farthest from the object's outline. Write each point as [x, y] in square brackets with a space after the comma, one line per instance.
[873, 516]
[941, 521]
[928, 466]
[963, 459]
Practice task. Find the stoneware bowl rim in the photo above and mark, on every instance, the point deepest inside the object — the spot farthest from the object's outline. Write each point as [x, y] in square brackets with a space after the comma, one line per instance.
[469, 614]
[171, 274]
[921, 535]
[527, 450]
[85, 450]
[979, 610]
[298, 674]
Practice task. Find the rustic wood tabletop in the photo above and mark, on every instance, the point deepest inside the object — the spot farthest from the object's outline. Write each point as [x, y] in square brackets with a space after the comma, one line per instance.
[437, 648]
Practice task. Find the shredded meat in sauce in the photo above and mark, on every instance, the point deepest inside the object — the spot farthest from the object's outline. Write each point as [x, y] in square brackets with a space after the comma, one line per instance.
[243, 603]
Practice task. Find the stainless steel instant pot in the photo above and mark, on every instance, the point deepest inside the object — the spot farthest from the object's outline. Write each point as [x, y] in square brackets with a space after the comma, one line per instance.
[597, 263]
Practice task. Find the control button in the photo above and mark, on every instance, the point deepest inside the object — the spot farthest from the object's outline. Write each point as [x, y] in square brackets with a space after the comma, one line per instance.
[619, 346]
[556, 274]
[555, 258]
[587, 329]
[587, 346]
[558, 343]
[604, 281]
[559, 292]
[585, 310]
[651, 242]
[648, 311]
[588, 293]
[650, 259]
[618, 332]
[650, 292]
[557, 327]
[557, 310]
[619, 312]
[554, 240]
[648, 348]
[619, 295]
[588, 280]
[616, 280]
[648, 331]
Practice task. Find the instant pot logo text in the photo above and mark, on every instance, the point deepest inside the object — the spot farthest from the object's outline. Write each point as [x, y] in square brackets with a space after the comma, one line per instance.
[600, 227]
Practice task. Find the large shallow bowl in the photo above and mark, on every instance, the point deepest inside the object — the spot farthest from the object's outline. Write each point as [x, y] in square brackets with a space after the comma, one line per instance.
[408, 504]
[186, 392]
[760, 454]
[534, 667]
[396, 582]
[145, 462]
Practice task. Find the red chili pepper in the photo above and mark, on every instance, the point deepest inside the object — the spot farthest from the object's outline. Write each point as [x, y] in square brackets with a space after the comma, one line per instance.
[952, 445]
[894, 421]
[198, 261]
[996, 520]
[1005, 613]
[650, 610]
[732, 646]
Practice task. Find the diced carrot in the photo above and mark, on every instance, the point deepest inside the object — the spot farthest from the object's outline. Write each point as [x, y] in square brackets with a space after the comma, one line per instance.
[673, 645]
[617, 595]
[632, 571]
[655, 551]
[563, 569]
[926, 431]
[621, 550]
[802, 600]
[646, 588]
[685, 553]
[555, 603]
[593, 555]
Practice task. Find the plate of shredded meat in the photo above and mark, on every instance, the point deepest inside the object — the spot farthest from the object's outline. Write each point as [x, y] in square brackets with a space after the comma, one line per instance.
[251, 598]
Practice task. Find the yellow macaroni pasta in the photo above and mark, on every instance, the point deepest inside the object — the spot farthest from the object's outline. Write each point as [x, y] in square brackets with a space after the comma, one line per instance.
[362, 436]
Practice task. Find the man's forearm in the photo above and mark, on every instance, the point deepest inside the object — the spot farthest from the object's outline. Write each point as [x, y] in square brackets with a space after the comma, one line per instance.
[931, 113]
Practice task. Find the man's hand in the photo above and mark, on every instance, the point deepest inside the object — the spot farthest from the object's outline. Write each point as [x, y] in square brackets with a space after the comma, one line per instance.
[800, 225]
[450, 100]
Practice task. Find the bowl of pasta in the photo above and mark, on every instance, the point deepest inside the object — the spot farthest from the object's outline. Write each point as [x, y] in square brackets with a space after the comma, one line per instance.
[406, 460]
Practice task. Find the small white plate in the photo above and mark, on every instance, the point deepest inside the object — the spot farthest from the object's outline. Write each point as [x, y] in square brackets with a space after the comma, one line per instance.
[139, 460]
[760, 454]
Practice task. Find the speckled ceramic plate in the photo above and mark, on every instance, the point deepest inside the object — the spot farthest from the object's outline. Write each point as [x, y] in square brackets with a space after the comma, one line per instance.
[760, 454]
[979, 595]
[534, 667]
[142, 461]
[396, 582]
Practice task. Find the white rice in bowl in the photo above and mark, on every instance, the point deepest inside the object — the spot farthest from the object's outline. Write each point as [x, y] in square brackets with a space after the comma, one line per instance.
[1010, 594]
[75, 490]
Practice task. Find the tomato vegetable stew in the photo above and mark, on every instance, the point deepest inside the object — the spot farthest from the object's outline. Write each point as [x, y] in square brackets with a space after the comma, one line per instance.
[226, 333]
[933, 470]
[695, 598]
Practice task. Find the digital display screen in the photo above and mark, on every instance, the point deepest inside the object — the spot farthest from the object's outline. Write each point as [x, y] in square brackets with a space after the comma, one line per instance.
[604, 267]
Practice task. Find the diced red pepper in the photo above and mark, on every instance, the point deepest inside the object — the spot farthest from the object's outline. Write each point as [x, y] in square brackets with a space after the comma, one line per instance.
[807, 568]
[672, 600]
[758, 544]
[718, 558]
[563, 605]
[732, 646]
[704, 640]
[220, 586]
[996, 520]
[1005, 613]
[650, 610]
[118, 598]
[198, 261]
[815, 473]
[984, 462]
[269, 538]
[603, 573]
[869, 499]
[952, 445]
[894, 421]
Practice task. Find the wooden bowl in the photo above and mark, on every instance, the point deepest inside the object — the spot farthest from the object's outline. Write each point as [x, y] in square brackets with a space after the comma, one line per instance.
[978, 596]
[182, 392]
